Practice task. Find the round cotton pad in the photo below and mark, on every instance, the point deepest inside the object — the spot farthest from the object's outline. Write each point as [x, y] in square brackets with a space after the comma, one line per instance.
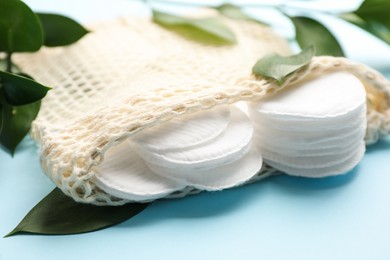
[227, 147]
[185, 132]
[220, 177]
[309, 161]
[309, 124]
[318, 132]
[125, 175]
[330, 95]
[334, 148]
[341, 168]
[301, 143]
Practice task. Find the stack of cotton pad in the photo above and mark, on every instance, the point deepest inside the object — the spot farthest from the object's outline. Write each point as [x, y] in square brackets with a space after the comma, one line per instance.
[313, 129]
[209, 150]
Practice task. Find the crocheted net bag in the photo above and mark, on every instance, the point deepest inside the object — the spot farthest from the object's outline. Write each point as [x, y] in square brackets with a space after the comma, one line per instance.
[131, 74]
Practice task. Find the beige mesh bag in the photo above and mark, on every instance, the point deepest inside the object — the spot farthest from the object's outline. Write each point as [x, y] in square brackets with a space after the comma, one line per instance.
[131, 74]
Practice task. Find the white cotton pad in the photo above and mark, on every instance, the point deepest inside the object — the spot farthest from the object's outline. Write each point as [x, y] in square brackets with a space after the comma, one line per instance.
[330, 95]
[335, 139]
[315, 128]
[184, 132]
[124, 174]
[229, 146]
[220, 177]
[328, 149]
[309, 161]
[305, 125]
[343, 167]
[268, 130]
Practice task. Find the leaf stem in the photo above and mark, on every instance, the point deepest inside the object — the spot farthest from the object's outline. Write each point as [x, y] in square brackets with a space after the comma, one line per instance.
[8, 60]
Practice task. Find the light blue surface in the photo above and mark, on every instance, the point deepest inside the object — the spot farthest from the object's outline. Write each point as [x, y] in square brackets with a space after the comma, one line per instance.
[345, 217]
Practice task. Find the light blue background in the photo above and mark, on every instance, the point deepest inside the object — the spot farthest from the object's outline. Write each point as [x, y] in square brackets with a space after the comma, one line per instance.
[345, 217]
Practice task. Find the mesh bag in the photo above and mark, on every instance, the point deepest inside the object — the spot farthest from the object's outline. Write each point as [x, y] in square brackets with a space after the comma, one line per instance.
[131, 74]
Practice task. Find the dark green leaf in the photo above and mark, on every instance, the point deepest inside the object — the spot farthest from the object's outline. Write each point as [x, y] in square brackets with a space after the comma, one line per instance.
[58, 214]
[279, 67]
[16, 122]
[19, 90]
[310, 32]
[60, 30]
[375, 10]
[20, 29]
[370, 25]
[235, 12]
[208, 30]
[372, 16]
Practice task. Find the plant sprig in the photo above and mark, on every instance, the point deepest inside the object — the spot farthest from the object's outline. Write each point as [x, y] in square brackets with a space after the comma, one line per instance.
[22, 30]
[372, 16]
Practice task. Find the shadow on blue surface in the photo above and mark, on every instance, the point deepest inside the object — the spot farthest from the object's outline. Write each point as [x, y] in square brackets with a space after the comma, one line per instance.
[214, 204]
[203, 205]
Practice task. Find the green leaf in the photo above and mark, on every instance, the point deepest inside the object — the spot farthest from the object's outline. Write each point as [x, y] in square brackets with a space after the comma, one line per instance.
[370, 25]
[58, 214]
[279, 67]
[375, 10]
[20, 90]
[207, 30]
[16, 122]
[310, 32]
[20, 29]
[235, 12]
[60, 30]
[372, 16]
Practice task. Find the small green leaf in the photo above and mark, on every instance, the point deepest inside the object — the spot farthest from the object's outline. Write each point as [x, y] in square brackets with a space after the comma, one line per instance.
[60, 30]
[16, 122]
[58, 214]
[20, 29]
[208, 30]
[20, 90]
[279, 67]
[232, 11]
[235, 12]
[310, 32]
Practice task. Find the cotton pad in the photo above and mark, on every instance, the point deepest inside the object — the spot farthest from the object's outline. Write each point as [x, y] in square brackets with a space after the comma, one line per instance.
[348, 164]
[334, 148]
[309, 124]
[229, 146]
[219, 177]
[185, 132]
[310, 161]
[313, 129]
[322, 139]
[330, 95]
[125, 175]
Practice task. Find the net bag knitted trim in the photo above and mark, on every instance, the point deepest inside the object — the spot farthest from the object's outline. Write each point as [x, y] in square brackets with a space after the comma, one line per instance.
[131, 74]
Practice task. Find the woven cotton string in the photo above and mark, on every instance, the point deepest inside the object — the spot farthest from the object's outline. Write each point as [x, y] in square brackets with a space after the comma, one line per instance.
[131, 74]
